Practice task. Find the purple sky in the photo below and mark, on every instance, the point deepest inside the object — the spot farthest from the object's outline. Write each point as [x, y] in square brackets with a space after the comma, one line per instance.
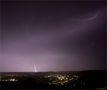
[55, 35]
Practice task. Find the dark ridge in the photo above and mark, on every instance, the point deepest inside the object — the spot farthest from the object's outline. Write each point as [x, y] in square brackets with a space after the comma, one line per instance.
[91, 79]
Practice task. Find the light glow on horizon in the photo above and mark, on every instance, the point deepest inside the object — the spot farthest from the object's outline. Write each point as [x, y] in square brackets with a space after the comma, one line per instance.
[35, 69]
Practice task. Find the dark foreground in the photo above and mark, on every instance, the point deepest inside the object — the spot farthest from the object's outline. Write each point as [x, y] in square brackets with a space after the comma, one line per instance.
[44, 80]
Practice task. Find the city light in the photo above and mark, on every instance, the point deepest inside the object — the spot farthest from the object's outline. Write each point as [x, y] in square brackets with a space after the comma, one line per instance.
[59, 79]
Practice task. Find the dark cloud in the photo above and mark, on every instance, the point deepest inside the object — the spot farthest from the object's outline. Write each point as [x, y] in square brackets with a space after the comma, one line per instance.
[58, 35]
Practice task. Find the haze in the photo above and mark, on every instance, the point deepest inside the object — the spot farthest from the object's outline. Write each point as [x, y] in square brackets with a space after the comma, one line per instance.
[54, 35]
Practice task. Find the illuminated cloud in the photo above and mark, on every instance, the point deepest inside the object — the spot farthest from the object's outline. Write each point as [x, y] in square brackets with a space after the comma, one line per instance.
[54, 36]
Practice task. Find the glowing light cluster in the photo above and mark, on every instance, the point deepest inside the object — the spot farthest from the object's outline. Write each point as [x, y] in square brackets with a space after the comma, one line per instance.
[11, 80]
[61, 79]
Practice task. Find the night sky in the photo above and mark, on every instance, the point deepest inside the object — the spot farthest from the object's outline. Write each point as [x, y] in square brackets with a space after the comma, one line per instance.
[53, 35]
